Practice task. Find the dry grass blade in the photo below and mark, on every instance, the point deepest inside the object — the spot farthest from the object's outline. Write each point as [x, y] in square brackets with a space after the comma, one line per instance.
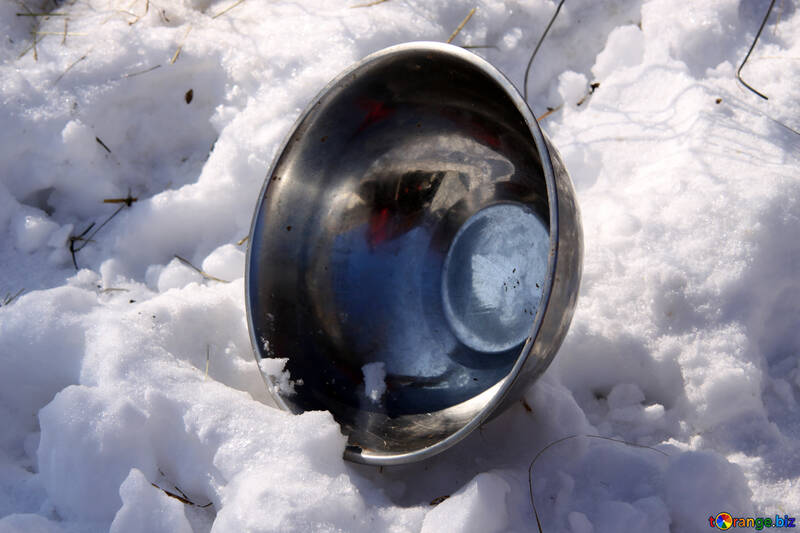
[71, 34]
[752, 46]
[85, 239]
[778, 21]
[139, 17]
[201, 272]
[181, 498]
[78, 238]
[180, 46]
[58, 79]
[106, 148]
[227, 9]
[22, 54]
[549, 112]
[592, 88]
[35, 40]
[370, 4]
[132, 74]
[461, 26]
[559, 441]
[35, 27]
[24, 6]
[781, 124]
[173, 495]
[243, 240]
[8, 299]
[106, 221]
[536, 49]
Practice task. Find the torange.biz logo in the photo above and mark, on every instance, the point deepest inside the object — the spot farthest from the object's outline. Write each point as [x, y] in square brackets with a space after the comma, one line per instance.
[727, 521]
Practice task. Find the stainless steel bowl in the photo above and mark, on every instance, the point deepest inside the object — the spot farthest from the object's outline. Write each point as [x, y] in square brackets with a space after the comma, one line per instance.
[415, 253]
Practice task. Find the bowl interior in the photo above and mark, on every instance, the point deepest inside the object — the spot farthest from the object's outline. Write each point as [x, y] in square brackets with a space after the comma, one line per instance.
[400, 248]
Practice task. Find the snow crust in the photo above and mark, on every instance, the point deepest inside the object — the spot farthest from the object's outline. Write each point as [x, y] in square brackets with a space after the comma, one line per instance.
[685, 338]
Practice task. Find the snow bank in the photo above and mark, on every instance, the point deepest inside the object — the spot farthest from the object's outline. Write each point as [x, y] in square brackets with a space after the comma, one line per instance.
[136, 370]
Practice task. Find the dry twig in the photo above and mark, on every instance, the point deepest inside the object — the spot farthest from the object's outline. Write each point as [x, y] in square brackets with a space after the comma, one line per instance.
[182, 498]
[201, 272]
[549, 112]
[128, 200]
[73, 249]
[85, 237]
[592, 88]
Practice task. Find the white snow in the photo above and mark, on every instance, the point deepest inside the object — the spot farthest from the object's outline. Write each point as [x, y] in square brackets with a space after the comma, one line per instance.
[477, 508]
[145, 508]
[685, 338]
[374, 380]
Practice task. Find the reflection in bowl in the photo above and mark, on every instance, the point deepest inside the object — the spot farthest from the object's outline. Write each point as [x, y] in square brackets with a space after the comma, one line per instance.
[416, 222]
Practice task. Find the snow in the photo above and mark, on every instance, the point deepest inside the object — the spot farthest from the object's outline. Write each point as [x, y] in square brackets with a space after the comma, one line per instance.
[477, 508]
[374, 380]
[145, 508]
[685, 337]
[493, 276]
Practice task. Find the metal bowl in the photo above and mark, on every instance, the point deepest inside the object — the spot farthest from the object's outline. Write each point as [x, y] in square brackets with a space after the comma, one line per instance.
[415, 253]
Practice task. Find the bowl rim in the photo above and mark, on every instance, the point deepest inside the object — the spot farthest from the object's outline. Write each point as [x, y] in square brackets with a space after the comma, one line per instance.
[502, 387]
